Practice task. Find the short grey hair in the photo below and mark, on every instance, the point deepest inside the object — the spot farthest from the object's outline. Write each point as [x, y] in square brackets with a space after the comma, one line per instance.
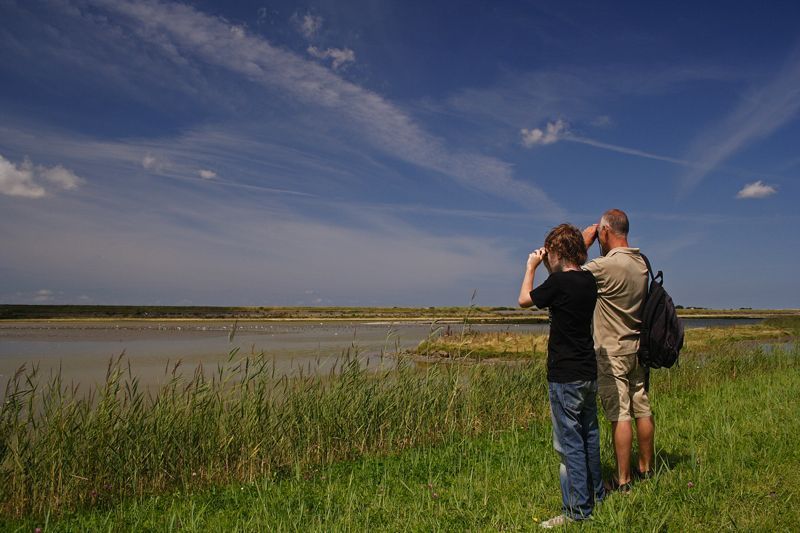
[617, 221]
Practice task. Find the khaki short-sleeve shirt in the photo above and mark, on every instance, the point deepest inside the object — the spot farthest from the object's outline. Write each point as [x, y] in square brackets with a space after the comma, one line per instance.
[621, 277]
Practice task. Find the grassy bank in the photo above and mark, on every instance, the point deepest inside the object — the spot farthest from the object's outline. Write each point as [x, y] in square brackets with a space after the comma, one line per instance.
[454, 447]
[463, 343]
[722, 472]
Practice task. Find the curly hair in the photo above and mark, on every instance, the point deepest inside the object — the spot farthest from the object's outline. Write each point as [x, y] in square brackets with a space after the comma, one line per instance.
[567, 241]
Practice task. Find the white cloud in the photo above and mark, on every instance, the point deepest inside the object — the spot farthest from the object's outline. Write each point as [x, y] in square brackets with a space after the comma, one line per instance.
[58, 175]
[207, 174]
[553, 132]
[340, 56]
[149, 162]
[756, 189]
[18, 180]
[308, 25]
[24, 179]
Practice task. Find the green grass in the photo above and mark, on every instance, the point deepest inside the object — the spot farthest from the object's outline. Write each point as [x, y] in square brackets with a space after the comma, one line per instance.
[726, 451]
[451, 447]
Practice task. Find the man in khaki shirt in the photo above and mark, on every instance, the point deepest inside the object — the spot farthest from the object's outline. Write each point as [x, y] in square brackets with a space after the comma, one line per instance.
[621, 276]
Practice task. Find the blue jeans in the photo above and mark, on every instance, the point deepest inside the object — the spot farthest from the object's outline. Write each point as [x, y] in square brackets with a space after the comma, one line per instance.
[576, 438]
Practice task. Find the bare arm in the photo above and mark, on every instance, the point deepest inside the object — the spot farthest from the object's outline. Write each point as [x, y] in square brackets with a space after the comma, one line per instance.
[590, 235]
[534, 259]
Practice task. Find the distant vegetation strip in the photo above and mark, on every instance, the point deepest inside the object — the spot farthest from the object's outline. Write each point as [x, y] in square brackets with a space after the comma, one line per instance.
[32, 312]
[63, 450]
[473, 313]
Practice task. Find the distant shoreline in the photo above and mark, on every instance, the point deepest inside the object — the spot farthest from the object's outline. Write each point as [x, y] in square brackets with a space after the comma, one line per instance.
[324, 314]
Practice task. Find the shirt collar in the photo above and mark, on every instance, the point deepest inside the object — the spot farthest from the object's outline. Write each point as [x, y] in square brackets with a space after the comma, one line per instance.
[622, 250]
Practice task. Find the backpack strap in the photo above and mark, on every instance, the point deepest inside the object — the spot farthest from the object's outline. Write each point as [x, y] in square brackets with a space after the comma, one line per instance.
[653, 277]
[646, 294]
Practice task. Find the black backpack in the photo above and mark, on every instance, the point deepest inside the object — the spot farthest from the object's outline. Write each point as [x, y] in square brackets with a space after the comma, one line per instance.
[662, 331]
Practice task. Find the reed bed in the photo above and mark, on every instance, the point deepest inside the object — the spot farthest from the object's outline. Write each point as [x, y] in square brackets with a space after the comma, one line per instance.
[61, 449]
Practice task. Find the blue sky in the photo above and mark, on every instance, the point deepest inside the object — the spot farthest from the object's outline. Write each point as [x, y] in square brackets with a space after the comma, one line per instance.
[390, 153]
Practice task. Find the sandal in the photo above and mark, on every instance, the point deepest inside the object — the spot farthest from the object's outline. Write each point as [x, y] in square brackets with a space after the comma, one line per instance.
[614, 485]
[643, 475]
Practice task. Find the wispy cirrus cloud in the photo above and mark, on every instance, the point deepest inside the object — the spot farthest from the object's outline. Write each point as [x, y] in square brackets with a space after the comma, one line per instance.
[267, 253]
[626, 150]
[760, 113]
[757, 189]
[559, 131]
[260, 166]
[28, 180]
[518, 98]
[182, 29]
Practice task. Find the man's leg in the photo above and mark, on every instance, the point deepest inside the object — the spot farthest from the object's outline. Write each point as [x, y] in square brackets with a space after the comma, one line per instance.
[645, 432]
[622, 434]
[612, 381]
[645, 426]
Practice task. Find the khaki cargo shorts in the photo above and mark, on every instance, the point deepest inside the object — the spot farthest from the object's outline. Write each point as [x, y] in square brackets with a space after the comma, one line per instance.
[620, 385]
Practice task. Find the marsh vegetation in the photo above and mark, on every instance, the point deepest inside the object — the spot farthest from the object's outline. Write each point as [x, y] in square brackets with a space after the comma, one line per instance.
[445, 445]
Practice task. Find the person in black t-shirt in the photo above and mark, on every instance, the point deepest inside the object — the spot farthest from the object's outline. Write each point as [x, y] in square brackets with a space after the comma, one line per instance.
[570, 294]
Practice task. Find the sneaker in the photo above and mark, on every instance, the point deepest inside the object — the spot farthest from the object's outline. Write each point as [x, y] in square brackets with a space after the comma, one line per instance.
[556, 521]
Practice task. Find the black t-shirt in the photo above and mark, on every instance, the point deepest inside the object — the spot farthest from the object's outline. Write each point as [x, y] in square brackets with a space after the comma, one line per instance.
[571, 297]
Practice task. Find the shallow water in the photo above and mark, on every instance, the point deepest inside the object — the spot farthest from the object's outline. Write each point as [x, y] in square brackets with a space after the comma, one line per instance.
[82, 349]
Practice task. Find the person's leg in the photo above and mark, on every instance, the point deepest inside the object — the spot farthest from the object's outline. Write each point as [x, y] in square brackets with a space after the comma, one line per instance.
[645, 425]
[591, 432]
[622, 435]
[566, 402]
[555, 414]
[613, 387]
[645, 431]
